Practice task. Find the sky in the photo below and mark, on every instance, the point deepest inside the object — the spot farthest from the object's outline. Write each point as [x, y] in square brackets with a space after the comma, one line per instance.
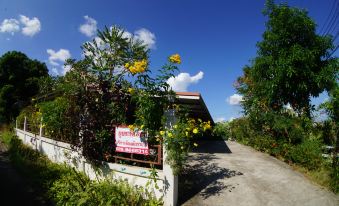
[214, 38]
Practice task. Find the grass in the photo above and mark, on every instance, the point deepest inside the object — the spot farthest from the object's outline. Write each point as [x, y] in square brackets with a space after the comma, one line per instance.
[320, 176]
[63, 185]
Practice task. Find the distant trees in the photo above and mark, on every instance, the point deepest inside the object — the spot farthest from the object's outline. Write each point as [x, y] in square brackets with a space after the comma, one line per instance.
[19, 77]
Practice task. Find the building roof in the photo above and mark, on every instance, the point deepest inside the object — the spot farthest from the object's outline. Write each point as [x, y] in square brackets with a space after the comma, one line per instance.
[196, 105]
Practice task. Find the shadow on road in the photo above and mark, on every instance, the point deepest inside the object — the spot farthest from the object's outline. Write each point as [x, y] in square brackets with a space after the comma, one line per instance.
[212, 147]
[202, 173]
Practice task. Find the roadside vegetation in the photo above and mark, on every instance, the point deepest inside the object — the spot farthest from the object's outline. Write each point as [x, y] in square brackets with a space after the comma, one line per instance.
[63, 185]
[293, 64]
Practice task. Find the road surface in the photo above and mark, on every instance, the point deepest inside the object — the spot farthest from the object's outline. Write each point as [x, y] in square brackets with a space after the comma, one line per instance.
[227, 173]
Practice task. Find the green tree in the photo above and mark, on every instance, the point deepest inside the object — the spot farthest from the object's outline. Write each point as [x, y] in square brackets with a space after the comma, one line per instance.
[19, 77]
[293, 63]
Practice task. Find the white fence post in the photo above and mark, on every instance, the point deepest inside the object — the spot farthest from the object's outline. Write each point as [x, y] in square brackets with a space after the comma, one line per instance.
[25, 123]
[170, 180]
[40, 132]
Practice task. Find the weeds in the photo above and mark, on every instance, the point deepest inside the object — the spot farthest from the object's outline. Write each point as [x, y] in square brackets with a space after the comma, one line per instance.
[65, 186]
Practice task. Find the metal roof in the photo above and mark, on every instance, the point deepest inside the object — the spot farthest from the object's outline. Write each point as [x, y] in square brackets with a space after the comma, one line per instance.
[196, 105]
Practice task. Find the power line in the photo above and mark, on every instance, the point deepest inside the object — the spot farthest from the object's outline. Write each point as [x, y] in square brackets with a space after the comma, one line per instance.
[336, 36]
[334, 24]
[332, 20]
[328, 17]
[335, 49]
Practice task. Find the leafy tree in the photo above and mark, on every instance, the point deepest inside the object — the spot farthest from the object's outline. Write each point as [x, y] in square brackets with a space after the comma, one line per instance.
[19, 77]
[292, 64]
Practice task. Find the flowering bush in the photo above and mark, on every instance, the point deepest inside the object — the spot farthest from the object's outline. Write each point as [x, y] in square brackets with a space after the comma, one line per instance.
[113, 86]
[178, 140]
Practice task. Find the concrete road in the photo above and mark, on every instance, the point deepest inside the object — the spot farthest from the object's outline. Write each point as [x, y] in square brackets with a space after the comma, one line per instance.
[227, 173]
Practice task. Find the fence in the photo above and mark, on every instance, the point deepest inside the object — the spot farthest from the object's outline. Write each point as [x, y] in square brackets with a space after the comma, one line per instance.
[61, 152]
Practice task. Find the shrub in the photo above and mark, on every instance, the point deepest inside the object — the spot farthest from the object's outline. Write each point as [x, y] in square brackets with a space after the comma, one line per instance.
[77, 189]
[240, 129]
[222, 129]
[33, 118]
[60, 119]
[65, 186]
[307, 154]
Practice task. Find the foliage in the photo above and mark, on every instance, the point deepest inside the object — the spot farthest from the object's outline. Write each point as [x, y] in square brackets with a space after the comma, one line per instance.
[33, 119]
[115, 88]
[77, 189]
[292, 64]
[222, 129]
[307, 154]
[19, 81]
[304, 155]
[60, 119]
[177, 139]
[112, 86]
[64, 186]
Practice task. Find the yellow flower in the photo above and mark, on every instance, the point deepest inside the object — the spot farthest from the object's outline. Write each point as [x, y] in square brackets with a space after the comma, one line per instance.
[195, 130]
[175, 126]
[195, 144]
[170, 134]
[137, 66]
[175, 58]
[131, 127]
[131, 90]
[142, 126]
[162, 133]
[127, 65]
[186, 134]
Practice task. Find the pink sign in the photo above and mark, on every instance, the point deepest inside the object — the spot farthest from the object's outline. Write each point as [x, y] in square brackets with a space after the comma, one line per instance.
[128, 141]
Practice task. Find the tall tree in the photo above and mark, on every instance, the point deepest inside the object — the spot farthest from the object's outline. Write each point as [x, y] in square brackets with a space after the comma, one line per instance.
[19, 77]
[293, 63]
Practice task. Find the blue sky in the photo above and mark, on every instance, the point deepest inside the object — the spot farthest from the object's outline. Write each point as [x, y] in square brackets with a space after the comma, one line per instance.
[214, 38]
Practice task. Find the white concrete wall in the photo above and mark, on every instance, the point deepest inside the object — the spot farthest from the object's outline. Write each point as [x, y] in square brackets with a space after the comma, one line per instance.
[61, 152]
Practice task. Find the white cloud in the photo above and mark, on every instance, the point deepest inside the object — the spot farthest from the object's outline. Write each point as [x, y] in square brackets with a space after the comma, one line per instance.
[9, 26]
[89, 28]
[181, 82]
[231, 119]
[57, 59]
[55, 56]
[127, 35]
[55, 71]
[31, 26]
[145, 36]
[220, 119]
[65, 69]
[235, 99]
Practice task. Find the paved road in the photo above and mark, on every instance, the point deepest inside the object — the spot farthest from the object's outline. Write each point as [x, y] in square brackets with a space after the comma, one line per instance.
[15, 190]
[227, 173]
